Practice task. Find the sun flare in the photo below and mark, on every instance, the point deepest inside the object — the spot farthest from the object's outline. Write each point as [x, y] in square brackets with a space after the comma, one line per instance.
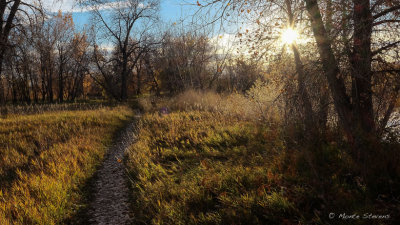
[289, 36]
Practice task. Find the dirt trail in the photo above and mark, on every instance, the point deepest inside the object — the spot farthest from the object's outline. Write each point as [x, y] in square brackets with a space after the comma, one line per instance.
[111, 192]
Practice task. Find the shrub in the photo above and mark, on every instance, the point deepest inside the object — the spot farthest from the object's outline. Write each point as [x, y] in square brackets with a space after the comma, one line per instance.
[259, 103]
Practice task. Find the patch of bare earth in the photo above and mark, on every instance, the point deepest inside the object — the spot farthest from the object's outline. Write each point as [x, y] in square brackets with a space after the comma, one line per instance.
[111, 193]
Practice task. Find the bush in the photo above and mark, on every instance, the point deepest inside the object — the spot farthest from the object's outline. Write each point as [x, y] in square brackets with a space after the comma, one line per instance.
[259, 103]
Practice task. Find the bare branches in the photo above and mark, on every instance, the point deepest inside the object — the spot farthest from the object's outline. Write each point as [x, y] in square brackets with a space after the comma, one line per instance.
[385, 48]
[386, 11]
[121, 26]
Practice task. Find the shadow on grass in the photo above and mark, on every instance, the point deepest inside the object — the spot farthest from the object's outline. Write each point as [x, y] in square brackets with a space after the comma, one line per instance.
[87, 190]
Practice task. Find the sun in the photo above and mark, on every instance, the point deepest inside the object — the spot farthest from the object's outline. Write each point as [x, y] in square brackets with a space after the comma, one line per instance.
[289, 36]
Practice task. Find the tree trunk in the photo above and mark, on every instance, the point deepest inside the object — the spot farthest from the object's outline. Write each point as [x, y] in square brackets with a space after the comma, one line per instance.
[302, 90]
[323, 110]
[139, 84]
[2, 89]
[331, 69]
[355, 116]
[303, 93]
[364, 124]
[50, 86]
[60, 85]
[124, 78]
[5, 27]
[324, 98]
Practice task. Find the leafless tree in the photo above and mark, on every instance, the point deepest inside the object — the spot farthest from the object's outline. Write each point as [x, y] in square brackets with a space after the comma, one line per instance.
[126, 25]
[12, 13]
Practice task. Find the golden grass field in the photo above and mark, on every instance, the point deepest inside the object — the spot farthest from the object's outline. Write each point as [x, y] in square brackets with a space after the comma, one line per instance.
[211, 161]
[46, 159]
[204, 168]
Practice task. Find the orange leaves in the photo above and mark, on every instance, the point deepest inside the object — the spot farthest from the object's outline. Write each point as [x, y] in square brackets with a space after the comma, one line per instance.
[248, 10]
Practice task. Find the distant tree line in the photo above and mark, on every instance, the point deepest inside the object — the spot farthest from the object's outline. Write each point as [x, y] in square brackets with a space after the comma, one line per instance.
[44, 58]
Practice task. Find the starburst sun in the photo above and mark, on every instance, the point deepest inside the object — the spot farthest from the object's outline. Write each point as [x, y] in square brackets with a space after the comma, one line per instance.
[289, 36]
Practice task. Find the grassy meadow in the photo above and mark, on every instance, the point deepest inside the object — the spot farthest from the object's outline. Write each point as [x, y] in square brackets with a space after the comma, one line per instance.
[201, 168]
[211, 161]
[200, 112]
[47, 158]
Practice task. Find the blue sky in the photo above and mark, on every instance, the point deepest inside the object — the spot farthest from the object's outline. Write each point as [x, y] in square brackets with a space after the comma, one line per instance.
[171, 10]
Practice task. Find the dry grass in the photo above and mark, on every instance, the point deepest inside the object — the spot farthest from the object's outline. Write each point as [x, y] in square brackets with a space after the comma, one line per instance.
[47, 158]
[10, 110]
[211, 161]
[206, 168]
[259, 103]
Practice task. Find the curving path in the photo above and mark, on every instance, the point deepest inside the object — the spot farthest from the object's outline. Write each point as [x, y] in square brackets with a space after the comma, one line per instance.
[111, 193]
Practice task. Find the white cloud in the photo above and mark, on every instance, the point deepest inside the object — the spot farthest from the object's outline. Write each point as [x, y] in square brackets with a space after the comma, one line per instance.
[63, 5]
[73, 6]
[107, 47]
[225, 43]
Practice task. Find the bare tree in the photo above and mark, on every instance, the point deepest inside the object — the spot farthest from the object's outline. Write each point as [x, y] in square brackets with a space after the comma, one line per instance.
[356, 111]
[189, 59]
[360, 51]
[10, 18]
[126, 26]
[63, 34]
[78, 66]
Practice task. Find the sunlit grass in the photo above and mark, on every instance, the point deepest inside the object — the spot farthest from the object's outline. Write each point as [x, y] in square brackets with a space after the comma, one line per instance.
[209, 162]
[46, 159]
[206, 168]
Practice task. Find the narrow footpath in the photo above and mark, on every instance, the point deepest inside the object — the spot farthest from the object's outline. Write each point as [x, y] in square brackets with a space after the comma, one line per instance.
[111, 192]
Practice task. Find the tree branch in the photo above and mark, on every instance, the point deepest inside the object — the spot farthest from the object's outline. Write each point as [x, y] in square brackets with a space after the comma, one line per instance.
[386, 11]
[385, 48]
[385, 21]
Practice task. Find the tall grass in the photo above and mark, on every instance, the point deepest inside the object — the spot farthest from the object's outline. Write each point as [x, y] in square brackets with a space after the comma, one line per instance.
[45, 160]
[221, 159]
[10, 110]
[259, 103]
[205, 168]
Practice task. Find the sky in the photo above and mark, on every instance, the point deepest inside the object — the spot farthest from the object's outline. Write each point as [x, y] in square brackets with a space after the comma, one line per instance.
[171, 10]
